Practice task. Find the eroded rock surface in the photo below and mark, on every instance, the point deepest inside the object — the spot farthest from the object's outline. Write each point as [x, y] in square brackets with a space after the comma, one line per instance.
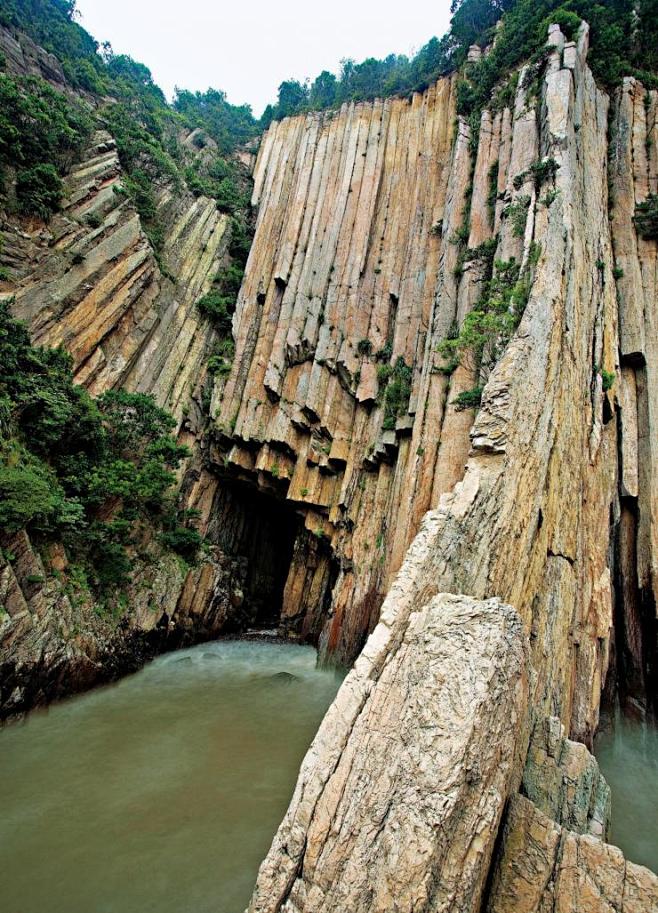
[544, 868]
[401, 794]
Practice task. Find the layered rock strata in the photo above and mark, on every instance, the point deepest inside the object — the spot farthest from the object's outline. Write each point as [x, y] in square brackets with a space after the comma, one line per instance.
[90, 281]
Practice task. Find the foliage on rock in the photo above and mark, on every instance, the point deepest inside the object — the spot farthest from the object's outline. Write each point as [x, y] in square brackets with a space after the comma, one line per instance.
[82, 470]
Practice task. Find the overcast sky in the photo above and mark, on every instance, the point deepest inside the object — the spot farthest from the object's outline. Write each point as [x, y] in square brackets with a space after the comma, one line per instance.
[247, 47]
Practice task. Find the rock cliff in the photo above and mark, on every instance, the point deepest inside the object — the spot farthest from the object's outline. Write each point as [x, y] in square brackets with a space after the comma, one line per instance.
[545, 500]
[370, 249]
[499, 563]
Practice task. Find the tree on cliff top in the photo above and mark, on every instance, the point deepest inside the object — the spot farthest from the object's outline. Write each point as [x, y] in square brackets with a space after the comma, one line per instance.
[624, 41]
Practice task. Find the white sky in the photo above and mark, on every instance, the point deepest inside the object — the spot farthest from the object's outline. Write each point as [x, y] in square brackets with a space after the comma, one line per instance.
[247, 47]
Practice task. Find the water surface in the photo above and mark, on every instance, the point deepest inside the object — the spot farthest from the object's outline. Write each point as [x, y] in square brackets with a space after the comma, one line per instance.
[163, 792]
[628, 758]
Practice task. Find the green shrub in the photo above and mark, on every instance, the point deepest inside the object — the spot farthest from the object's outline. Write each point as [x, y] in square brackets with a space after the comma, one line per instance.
[66, 458]
[487, 329]
[218, 309]
[517, 213]
[397, 393]
[608, 378]
[39, 190]
[468, 399]
[27, 495]
[364, 347]
[183, 540]
[540, 172]
[646, 218]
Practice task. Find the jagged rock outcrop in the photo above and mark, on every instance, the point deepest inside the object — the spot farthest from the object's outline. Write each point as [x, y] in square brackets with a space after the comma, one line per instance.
[400, 796]
[544, 868]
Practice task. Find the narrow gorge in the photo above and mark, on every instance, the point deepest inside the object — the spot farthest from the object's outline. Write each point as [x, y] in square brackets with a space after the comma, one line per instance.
[427, 447]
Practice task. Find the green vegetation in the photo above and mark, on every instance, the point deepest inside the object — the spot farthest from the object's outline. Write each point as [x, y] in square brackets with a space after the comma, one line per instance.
[621, 44]
[228, 125]
[540, 172]
[488, 328]
[517, 213]
[81, 470]
[396, 382]
[218, 304]
[608, 378]
[468, 399]
[492, 196]
[646, 218]
[41, 130]
[40, 134]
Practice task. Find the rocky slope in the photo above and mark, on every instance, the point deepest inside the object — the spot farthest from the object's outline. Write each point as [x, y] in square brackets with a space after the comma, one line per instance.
[89, 280]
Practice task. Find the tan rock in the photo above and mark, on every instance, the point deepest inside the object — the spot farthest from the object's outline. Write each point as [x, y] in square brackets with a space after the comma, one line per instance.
[401, 793]
[543, 868]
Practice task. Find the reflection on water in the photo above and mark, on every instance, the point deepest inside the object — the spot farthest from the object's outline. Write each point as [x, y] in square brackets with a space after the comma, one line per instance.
[628, 757]
[163, 792]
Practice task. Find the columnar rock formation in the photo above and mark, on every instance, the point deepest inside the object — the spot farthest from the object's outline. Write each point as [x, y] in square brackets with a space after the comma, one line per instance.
[358, 261]
[554, 512]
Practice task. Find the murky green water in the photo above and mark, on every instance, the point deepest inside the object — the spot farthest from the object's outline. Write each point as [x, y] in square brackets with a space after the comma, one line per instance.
[628, 757]
[163, 792]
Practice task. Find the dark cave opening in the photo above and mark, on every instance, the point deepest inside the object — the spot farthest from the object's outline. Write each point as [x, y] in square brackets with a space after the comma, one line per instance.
[262, 529]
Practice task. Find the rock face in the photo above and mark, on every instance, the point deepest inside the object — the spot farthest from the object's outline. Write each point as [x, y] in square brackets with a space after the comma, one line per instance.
[401, 794]
[544, 868]
[546, 502]
[359, 260]
[100, 293]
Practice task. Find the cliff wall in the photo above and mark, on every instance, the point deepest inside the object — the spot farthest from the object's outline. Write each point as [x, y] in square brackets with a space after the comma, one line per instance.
[552, 513]
[370, 247]
[89, 280]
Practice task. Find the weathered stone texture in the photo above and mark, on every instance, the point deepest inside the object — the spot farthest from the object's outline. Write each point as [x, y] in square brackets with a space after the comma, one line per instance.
[401, 794]
[90, 282]
[357, 212]
[544, 868]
